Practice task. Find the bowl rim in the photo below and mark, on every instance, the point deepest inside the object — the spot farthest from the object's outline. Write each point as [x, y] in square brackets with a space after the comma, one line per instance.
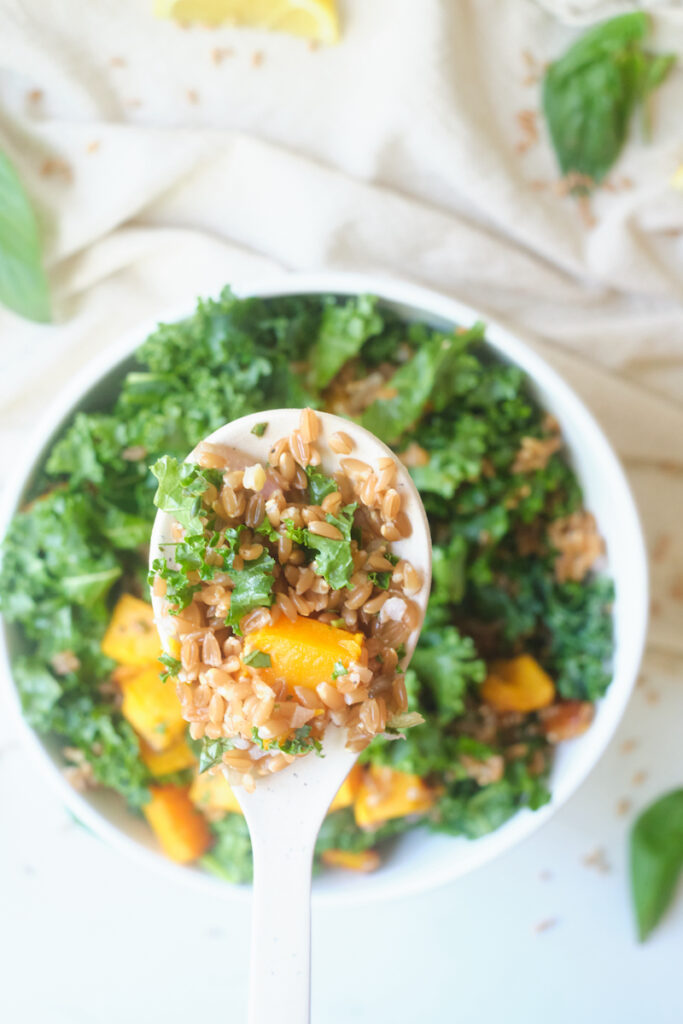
[511, 346]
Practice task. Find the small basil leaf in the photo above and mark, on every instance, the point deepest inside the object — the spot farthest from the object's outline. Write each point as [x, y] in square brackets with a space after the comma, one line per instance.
[23, 284]
[656, 859]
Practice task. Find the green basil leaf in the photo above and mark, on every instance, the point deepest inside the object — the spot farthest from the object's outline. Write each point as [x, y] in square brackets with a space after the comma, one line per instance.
[656, 859]
[23, 284]
[590, 94]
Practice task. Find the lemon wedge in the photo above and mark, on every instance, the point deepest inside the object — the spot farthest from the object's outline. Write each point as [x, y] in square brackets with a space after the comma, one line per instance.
[313, 19]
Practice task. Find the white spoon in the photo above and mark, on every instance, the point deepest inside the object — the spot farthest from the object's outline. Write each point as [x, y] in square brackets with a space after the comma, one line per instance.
[285, 811]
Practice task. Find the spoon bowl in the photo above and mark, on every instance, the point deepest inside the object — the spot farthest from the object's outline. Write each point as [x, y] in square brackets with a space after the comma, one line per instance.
[286, 809]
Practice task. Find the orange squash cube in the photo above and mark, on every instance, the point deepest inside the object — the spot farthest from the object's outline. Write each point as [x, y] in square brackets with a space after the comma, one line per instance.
[175, 758]
[346, 793]
[131, 637]
[214, 793]
[304, 652]
[182, 831]
[152, 707]
[384, 794]
[367, 860]
[518, 684]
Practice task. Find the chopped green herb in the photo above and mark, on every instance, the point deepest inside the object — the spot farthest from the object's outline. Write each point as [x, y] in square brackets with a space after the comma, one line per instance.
[380, 579]
[339, 623]
[172, 665]
[257, 659]
[259, 429]
[301, 743]
[339, 669]
[211, 752]
[253, 586]
[319, 485]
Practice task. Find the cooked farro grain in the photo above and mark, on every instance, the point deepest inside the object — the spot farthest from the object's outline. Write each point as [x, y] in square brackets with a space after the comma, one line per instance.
[264, 686]
[341, 443]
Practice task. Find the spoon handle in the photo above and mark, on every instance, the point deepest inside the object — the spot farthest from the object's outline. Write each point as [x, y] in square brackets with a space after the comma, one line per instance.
[280, 976]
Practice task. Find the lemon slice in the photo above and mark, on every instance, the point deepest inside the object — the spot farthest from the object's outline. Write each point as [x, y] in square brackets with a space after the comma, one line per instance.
[313, 19]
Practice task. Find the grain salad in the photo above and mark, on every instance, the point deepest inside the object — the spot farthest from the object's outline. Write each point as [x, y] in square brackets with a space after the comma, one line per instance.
[287, 606]
[517, 640]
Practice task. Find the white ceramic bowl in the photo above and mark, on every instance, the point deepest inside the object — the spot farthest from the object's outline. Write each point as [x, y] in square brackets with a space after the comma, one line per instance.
[421, 859]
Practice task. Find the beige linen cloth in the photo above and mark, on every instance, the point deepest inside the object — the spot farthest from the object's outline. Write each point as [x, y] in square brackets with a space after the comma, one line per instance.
[166, 162]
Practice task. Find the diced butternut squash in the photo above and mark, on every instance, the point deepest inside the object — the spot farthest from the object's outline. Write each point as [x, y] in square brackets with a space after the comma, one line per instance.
[384, 794]
[517, 684]
[131, 637]
[152, 707]
[213, 793]
[304, 652]
[164, 762]
[346, 793]
[182, 831]
[367, 860]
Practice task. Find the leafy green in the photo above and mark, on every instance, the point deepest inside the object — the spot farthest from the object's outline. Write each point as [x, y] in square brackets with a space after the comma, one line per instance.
[339, 669]
[340, 832]
[211, 752]
[253, 586]
[172, 665]
[449, 570]
[447, 666]
[319, 485]
[23, 284]
[181, 486]
[380, 579]
[333, 559]
[70, 554]
[590, 94]
[578, 645]
[301, 742]
[38, 689]
[258, 659]
[431, 375]
[259, 429]
[656, 859]
[230, 856]
[343, 330]
[473, 811]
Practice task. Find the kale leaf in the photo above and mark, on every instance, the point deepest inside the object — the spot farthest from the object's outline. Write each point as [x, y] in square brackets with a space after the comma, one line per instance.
[447, 666]
[253, 588]
[343, 330]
